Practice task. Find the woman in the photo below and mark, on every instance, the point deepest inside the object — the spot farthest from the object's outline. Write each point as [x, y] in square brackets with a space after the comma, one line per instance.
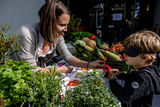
[40, 41]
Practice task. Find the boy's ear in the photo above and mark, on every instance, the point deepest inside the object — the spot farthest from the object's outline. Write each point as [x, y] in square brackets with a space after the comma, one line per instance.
[147, 57]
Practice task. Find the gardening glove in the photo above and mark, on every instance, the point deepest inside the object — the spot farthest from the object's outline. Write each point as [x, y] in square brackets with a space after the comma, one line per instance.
[98, 64]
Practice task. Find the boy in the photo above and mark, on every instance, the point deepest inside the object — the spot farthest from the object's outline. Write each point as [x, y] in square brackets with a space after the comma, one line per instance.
[143, 80]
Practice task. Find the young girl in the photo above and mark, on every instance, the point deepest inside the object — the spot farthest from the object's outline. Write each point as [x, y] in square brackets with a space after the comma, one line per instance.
[143, 80]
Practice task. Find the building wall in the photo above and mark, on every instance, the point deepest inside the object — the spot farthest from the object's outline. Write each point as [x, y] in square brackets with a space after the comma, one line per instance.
[19, 12]
[157, 12]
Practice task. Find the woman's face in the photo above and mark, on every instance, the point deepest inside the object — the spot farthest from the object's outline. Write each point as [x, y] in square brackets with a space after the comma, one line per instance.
[61, 24]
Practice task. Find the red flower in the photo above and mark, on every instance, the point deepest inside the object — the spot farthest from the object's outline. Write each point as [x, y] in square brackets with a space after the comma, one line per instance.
[80, 28]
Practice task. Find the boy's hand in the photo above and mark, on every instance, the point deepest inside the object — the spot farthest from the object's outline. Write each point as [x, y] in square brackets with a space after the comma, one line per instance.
[115, 71]
[110, 76]
[112, 73]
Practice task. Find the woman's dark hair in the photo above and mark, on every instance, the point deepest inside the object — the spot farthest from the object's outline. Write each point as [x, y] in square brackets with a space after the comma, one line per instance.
[49, 14]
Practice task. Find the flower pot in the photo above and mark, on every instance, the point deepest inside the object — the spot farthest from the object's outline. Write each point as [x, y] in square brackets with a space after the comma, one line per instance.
[1, 102]
[26, 104]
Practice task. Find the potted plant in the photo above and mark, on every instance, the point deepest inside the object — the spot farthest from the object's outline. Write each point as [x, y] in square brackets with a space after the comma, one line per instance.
[9, 43]
[46, 89]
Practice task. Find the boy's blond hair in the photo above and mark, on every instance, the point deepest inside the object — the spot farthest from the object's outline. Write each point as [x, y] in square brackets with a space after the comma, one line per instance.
[148, 42]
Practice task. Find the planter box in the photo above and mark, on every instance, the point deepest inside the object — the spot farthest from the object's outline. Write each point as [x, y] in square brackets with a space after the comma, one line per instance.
[1, 102]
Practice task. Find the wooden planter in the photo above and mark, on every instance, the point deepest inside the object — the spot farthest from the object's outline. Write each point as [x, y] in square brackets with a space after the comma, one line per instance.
[1, 102]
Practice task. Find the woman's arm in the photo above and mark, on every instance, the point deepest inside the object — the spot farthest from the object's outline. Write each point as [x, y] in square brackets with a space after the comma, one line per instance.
[78, 63]
[63, 69]
[72, 60]
[98, 64]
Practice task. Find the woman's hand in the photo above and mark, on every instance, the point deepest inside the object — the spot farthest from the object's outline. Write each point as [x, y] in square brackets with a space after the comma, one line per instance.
[98, 64]
[64, 69]
[44, 70]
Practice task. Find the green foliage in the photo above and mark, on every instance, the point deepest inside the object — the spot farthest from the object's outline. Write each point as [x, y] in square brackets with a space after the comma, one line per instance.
[9, 43]
[19, 84]
[75, 30]
[97, 73]
[78, 35]
[90, 93]
[74, 24]
[120, 65]
[15, 79]
[46, 89]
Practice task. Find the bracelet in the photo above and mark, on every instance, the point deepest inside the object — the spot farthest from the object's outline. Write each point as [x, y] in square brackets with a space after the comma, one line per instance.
[87, 65]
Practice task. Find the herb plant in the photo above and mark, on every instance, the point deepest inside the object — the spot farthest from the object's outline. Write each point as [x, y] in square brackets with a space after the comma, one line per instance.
[90, 93]
[15, 79]
[46, 89]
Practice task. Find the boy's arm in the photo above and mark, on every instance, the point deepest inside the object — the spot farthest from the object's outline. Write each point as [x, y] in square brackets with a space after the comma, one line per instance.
[122, 76]
[133, 89]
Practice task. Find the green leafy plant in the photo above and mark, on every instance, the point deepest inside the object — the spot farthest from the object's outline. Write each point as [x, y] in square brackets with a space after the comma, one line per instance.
[75, 30]
[92, 92]
[78, 35]
[46, 89]
[74, 24]
[9, 43]
[15, 80]
[20, 85]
